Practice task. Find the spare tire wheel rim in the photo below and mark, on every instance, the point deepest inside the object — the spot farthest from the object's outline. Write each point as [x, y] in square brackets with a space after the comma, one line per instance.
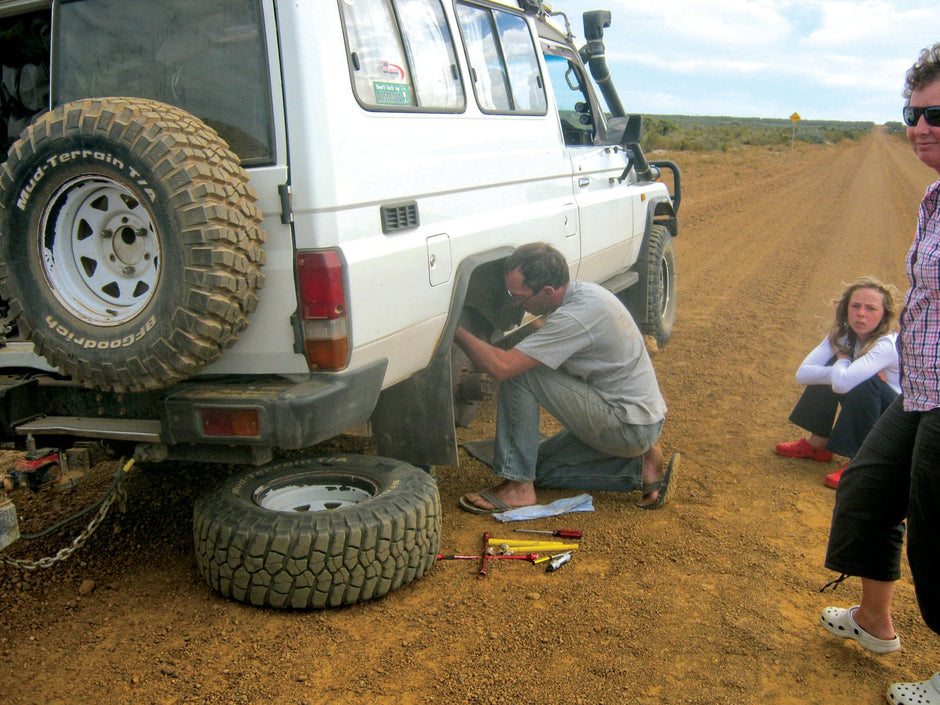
[304, 493]
[100, 250]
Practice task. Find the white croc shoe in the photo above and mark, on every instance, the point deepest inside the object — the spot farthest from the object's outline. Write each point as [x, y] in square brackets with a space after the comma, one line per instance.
[924, 693]
[839, 621]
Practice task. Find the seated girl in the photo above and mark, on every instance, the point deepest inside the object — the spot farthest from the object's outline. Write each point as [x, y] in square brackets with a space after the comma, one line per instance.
[853, 372]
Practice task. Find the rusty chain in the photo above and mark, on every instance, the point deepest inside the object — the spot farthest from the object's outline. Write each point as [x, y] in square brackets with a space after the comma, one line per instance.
[115, 494]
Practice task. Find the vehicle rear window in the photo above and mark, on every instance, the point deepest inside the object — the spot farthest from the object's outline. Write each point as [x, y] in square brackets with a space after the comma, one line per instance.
[206, 57]
[401, 55]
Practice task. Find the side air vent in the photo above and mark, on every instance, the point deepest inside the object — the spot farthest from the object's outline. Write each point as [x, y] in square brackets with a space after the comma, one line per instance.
[401, 216]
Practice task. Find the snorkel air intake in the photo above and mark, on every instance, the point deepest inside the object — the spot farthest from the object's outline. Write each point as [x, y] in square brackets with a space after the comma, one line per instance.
[592, 53]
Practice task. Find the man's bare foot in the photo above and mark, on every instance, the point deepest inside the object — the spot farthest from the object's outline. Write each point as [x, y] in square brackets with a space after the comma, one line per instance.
[653, 471]
[514, 494]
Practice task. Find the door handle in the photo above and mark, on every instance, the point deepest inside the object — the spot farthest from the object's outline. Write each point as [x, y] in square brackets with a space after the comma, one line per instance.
[584, 181]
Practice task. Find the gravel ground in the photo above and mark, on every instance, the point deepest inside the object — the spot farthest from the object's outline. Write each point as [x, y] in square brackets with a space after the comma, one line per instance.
[712, 599]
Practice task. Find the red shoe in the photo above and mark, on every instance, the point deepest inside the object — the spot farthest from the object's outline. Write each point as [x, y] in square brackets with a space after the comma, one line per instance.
[832, 479]
[804, 449]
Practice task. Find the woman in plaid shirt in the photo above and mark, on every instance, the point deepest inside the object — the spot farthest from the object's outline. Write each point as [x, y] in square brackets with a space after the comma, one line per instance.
[896, 473]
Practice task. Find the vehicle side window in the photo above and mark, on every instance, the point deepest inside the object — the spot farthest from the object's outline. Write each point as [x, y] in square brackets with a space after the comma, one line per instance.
[402, 55]
[578, 124]
[503, 61]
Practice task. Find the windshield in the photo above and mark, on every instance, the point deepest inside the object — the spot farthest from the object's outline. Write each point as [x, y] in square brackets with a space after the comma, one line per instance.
[206, 57]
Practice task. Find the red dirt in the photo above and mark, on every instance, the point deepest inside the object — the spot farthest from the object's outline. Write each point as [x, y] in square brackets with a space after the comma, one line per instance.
[713, 599]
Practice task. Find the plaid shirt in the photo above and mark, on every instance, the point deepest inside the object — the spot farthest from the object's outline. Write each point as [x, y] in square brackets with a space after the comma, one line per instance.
[919, 341]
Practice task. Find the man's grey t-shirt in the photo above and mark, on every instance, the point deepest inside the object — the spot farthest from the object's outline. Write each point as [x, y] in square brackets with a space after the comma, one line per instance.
[592, 337]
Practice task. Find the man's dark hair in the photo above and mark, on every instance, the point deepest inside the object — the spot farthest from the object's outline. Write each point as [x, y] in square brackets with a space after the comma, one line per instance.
[925, 70]
[541, 265]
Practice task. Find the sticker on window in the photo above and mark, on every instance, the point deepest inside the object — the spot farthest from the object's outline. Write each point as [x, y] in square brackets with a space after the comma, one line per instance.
[392, 93]
[390, 69]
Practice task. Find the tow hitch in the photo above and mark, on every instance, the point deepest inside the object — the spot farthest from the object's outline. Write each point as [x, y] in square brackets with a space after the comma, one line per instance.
[50, 469]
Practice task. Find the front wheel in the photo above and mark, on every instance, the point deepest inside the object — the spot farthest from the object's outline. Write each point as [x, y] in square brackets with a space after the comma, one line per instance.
[318, 532]
[653, 299]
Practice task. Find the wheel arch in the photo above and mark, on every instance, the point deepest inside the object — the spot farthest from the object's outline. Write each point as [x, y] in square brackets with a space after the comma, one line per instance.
[414, 420]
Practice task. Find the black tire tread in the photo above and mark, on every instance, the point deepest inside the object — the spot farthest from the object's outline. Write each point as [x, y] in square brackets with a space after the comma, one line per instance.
[322, 559]
[658, 323]
[222, 242]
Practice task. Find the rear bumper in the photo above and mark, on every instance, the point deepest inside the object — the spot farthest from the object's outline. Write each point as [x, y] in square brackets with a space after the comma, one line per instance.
[291, 415]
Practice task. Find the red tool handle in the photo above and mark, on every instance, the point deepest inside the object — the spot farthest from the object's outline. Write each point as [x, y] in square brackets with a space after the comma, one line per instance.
[483, 554]
[567, 533]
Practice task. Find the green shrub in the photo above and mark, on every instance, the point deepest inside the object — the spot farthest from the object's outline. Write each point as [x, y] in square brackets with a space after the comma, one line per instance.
[704, 134]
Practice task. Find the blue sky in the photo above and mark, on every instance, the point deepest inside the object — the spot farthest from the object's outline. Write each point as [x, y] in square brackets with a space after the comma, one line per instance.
[823, 59]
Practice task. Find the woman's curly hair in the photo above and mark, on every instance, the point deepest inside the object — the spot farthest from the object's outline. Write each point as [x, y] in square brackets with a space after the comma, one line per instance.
[925, 70]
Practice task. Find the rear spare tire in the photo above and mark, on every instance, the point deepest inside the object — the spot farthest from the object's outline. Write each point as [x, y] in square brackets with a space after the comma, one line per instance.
[318, 532]
[130, 242]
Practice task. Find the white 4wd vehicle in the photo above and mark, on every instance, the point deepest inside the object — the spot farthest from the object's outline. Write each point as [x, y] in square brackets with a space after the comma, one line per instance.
[235, 226]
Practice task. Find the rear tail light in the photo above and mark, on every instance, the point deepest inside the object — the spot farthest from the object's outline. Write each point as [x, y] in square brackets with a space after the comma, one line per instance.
[230, 422]
[323, 309]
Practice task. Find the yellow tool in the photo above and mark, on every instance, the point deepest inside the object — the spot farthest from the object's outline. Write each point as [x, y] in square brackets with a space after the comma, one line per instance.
[534, 546]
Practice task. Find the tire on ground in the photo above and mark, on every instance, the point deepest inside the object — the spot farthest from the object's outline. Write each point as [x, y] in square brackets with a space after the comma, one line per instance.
[653, 299]
[275, 536]
[130, 242]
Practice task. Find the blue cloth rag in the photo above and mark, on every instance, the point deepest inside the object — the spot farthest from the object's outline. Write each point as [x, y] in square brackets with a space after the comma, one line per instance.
[581, 503]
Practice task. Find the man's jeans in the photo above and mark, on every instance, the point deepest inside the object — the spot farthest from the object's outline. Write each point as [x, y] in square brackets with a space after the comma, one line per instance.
[596, 451]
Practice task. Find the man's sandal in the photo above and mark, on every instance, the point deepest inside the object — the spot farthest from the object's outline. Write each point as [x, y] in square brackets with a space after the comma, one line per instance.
[498, 504]
[663, 486]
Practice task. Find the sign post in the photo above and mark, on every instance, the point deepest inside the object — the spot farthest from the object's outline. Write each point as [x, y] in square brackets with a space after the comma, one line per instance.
[795, 118]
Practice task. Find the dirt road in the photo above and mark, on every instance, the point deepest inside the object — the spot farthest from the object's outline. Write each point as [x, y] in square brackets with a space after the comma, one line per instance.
[713, 599]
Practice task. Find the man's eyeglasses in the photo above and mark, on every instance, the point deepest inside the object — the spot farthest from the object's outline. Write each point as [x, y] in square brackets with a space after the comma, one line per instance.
[912, 115]
[519, 299]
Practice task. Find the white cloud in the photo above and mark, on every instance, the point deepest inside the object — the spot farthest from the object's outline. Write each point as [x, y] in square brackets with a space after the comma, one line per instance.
[828, 59]
[845, 23]
[722, 22]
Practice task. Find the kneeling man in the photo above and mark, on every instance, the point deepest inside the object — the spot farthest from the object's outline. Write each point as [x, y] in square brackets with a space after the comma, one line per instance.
[588, 367]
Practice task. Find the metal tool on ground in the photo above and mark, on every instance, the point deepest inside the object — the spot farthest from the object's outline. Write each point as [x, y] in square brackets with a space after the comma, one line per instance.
[557, 562]
[563, 533]
[544, 559]
[517, 556]
[540, 546]
[535, 548]
[523, 542]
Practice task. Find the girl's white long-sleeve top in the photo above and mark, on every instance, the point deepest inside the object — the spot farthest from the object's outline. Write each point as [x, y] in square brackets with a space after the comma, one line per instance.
[844, 375]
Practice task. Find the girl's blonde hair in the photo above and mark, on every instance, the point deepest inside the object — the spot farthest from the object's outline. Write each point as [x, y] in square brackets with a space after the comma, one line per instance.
[841, 335]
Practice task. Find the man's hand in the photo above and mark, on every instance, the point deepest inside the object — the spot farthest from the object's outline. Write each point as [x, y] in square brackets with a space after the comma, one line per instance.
[497, 363]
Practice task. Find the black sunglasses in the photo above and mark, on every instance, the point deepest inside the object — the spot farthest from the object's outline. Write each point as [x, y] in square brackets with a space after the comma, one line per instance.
[912, 115]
